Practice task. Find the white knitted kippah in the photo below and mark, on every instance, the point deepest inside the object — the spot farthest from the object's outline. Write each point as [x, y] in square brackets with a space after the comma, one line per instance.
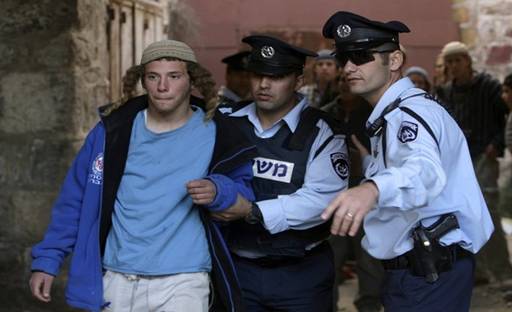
[167, 48]
[454, 47]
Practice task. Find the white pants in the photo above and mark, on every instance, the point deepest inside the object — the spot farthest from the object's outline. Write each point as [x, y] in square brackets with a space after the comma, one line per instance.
[169, 293]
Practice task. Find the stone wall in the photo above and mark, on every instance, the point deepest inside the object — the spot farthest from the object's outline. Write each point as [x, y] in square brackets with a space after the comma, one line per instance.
[486, 27]
[52, 77]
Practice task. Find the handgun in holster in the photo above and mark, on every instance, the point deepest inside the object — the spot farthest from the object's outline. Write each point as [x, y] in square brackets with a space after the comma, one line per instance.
[430, 257]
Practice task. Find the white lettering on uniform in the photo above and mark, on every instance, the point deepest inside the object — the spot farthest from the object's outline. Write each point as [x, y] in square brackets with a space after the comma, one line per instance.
[272, 169]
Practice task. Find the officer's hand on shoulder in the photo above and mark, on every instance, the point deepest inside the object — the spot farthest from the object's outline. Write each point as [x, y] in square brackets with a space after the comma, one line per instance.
[349, 208]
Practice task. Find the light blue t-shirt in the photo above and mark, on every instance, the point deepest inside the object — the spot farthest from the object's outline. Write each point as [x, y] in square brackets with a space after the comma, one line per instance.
[155, 230]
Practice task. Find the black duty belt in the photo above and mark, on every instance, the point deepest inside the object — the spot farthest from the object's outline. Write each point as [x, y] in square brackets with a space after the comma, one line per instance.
[407, 260]
[276, 261]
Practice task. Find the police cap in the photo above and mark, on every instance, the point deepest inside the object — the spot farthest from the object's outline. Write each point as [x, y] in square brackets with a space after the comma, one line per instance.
[325, 54]
[274, 57]
[352, 32]
[237, 61]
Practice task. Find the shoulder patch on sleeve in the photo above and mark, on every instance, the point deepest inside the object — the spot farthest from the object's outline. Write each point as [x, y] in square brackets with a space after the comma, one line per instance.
[407, 132]
[340, 164]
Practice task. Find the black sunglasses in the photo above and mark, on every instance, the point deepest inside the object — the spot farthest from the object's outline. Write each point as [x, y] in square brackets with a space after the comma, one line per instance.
[357, 58]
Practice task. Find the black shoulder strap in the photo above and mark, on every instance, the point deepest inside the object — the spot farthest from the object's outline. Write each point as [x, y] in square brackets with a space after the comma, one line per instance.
[321, 148]
[384, 142]
[411, 113]
[308, 119]
[376, 127]
[239, 105]
[335, 125]
[421, 121]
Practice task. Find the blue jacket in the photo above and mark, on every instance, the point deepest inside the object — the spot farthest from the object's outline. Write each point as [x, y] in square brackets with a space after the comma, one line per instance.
[81, 216]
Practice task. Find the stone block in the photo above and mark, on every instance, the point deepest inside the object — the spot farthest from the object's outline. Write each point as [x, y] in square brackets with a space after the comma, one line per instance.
[55, 52]
[32, 213]
[14, 279]
[33, 53]
[8, 54]
[496, 7]
[35, 164]
[16, 55]
[87, 102]
[6, 214]
[36, 16]
[13, 259]
[487, 30]
[44, 107]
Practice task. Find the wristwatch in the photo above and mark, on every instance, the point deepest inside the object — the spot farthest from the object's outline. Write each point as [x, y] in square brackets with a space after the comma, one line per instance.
[255, 216]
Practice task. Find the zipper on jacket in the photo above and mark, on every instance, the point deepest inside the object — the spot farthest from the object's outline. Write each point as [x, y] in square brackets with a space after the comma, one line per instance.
[103, 304]
[225, 279]
[208, 228]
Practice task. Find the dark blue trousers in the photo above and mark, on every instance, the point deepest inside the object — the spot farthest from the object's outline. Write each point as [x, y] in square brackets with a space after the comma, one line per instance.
[305, 285]
[404, 292]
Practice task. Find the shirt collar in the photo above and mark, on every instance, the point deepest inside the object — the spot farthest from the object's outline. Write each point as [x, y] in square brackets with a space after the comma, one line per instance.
[391, 94]
[291, 119]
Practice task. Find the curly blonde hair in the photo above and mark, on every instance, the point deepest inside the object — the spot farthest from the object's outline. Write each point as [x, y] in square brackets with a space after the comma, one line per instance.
[204, 83]
[200, 78]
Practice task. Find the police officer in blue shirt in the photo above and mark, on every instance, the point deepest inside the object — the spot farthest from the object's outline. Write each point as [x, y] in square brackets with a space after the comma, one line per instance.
[424, 214]
[237, 79]
[283, 260]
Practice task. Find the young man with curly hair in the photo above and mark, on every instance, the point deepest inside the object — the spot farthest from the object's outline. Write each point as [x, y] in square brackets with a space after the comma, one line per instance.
[133, 208]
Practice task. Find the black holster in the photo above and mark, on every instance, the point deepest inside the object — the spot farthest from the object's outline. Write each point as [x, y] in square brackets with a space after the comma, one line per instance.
[429, 257]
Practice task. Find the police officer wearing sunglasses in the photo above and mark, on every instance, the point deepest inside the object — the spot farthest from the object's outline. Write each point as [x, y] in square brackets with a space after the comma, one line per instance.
[424, 214]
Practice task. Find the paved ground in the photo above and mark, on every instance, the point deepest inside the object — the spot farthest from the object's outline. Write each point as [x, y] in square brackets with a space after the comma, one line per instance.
[485, 298]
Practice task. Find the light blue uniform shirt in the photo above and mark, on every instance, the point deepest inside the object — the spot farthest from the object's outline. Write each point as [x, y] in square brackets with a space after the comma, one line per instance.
[421, 181]
[302, 209]
[155, 229]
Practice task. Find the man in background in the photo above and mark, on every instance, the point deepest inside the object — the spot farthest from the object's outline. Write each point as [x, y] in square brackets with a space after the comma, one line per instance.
[323, 90]
[474, 100]
[237, 86]
[418, 76]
